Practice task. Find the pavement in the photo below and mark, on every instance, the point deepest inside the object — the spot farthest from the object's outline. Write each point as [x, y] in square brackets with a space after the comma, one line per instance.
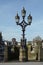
[22, 63]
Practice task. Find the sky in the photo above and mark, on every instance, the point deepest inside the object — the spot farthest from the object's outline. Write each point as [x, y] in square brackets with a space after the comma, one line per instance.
[8, 11]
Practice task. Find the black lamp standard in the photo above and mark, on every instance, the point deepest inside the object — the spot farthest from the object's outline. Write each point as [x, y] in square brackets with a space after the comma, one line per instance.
[23, 24]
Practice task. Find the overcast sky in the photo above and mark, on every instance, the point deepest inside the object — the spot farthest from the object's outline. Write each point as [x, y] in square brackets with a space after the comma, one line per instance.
[8, 10]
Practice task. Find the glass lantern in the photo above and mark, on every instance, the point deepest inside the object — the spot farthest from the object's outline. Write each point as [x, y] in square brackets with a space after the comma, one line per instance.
[23, 12]
[29, 19]
[17, 18]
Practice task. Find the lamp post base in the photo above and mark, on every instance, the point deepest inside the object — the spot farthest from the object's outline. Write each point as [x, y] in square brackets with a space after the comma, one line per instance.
[23, 51]
[22, 56]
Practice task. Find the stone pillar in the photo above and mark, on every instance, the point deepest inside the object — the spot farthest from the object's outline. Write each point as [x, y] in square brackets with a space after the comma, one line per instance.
[39, 54]
[29, 51]
[6, 53]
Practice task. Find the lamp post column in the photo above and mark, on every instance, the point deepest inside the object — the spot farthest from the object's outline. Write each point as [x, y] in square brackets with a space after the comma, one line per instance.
[23, 24]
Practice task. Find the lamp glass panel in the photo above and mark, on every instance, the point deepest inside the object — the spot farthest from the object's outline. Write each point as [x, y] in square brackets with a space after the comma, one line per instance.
[23, 14]
[17, 20]
[29, 20]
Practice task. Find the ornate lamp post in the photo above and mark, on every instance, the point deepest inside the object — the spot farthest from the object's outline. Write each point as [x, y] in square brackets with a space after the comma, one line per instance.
[23, 24]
